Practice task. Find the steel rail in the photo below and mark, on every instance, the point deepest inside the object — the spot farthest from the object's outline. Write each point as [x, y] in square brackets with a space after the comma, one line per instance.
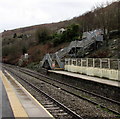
[93, 102]
[79, 89]
[69, 111]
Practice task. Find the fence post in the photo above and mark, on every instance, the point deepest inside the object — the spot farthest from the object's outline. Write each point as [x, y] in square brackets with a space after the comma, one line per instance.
[118, 64]
[69, 61]
[101, 63]
[87, 62]
[93, 62]
[76, 62]
[81, 62]
[119, 71]
[109, 64]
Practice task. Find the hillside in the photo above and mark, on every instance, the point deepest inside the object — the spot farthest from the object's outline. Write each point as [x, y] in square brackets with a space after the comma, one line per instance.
[83, 20]
[18, 41]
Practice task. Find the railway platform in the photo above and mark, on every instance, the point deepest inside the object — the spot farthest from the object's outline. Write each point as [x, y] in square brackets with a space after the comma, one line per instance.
[16, 101]
[89, 78]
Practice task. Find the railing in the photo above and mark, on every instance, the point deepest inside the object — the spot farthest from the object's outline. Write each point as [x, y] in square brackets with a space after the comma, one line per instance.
[61, 65]
[43, 60]
[47, 57]
[61, 53]
[84, 43]
[100, 67]
[94, 62]
[49, 60]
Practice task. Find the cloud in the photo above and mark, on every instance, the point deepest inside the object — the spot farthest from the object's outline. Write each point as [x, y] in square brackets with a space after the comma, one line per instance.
[21, 13]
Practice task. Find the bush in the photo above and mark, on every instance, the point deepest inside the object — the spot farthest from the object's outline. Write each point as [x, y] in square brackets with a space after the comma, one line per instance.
[14, 35]
[42, 35]
[24, 50]
[71, 33]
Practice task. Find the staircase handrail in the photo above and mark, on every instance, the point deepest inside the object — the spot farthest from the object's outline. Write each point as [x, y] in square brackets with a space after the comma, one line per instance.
[47, 57]
[59, 61]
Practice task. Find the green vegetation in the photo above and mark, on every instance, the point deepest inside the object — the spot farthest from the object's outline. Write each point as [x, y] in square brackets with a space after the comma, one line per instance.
[41, 39]
[15, 35]
[24, 50]
[33, 65]
[42, 35]
[15, 46]
[57, 39]
[71, 33]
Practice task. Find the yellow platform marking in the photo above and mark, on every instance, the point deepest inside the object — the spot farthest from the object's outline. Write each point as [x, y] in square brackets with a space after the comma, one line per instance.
[16, 106]
[28, 93]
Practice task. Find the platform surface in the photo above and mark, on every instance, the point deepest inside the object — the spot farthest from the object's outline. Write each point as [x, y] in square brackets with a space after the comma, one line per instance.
[20, 103]
[85, 77]
[5, 108]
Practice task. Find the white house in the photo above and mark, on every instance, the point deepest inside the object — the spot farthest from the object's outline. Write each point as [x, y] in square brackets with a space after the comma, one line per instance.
[60, 30]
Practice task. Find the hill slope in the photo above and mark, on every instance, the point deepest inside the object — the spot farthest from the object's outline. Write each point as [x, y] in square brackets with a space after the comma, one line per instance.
[17, 41]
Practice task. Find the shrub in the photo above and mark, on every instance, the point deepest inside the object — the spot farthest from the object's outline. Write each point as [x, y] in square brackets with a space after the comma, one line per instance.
[42, 35]
[14, 35]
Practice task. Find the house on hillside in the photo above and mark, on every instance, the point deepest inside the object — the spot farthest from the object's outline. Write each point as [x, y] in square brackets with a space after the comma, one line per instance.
[60, 31]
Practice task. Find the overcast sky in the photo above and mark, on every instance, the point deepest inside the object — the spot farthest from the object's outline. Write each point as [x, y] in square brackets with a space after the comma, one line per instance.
[21, 13]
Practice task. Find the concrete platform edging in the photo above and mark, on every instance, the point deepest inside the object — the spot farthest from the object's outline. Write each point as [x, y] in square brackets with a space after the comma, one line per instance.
[15, 103]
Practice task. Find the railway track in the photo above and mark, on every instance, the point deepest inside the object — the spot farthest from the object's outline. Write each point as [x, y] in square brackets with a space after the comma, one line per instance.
[38, 76]
[57, 109]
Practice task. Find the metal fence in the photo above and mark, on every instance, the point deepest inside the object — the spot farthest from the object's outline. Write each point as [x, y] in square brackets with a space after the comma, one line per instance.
[94, 62]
